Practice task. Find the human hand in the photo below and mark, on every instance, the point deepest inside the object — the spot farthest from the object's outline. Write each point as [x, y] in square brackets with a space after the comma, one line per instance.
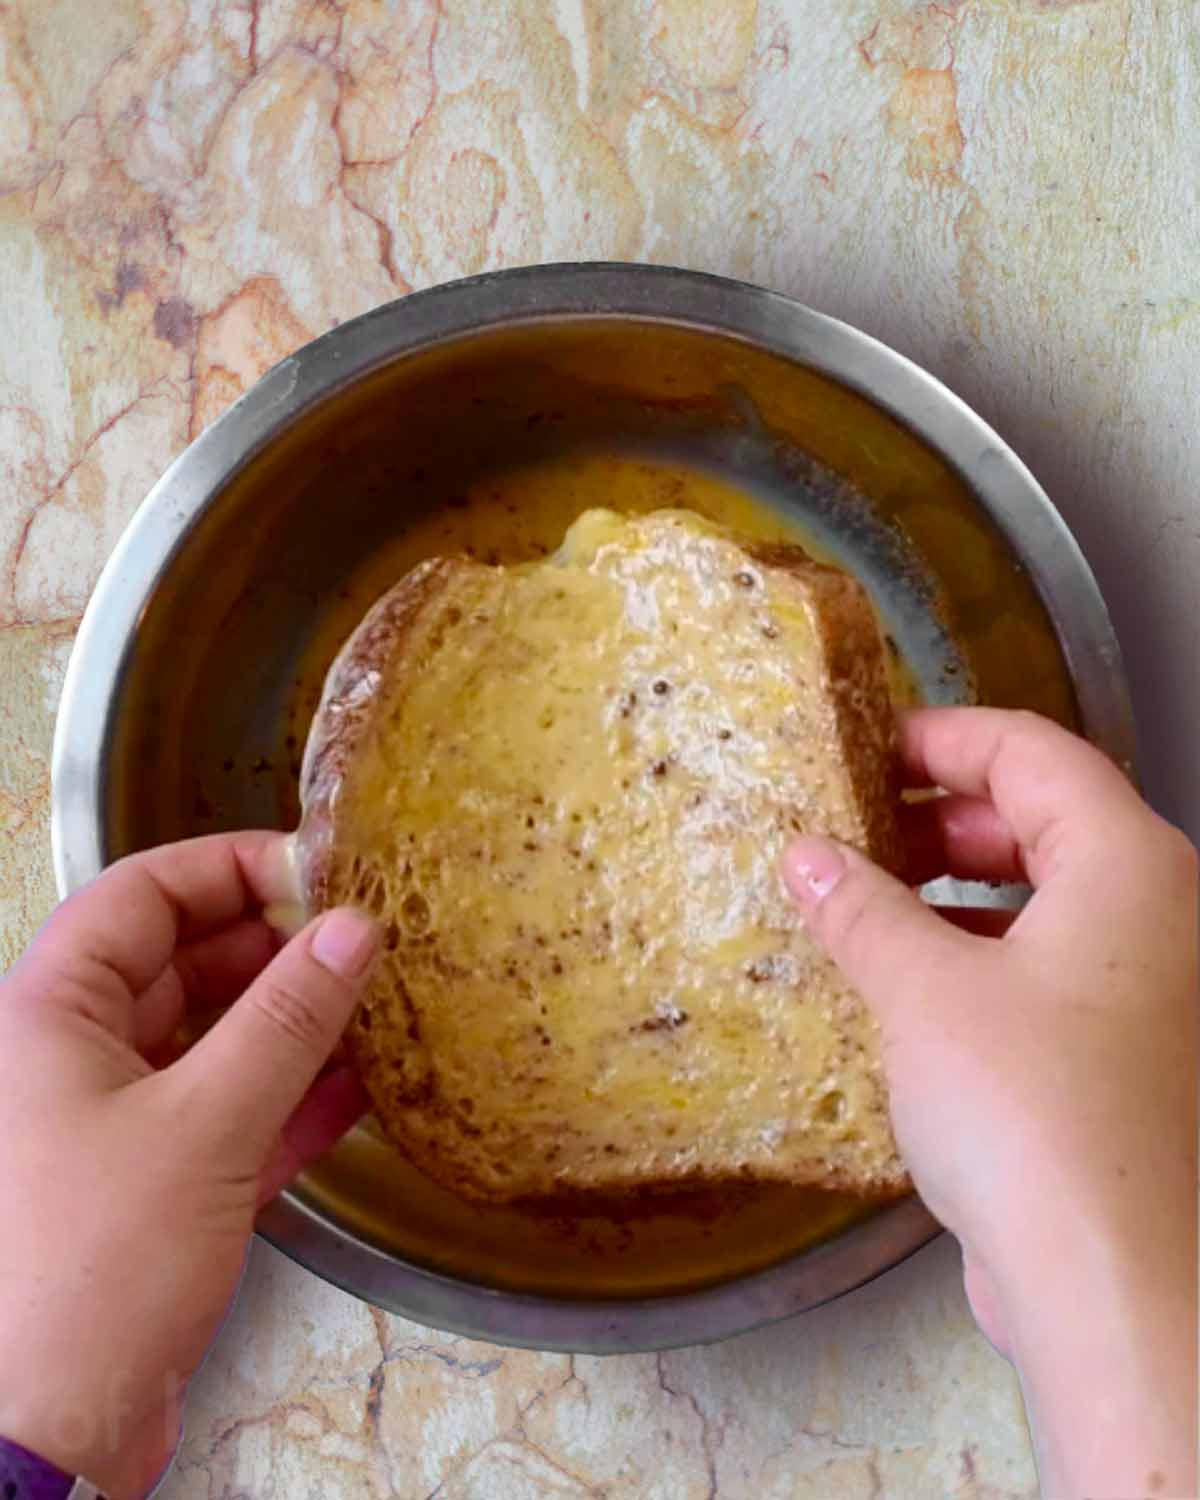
[130, 1193]
[1043, 1076]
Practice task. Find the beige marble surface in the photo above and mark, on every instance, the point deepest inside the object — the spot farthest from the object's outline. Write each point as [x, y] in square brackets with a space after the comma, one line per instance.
[1005, 189]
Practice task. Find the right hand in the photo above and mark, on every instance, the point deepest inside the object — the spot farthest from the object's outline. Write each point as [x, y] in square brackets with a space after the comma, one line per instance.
[1043, 1076]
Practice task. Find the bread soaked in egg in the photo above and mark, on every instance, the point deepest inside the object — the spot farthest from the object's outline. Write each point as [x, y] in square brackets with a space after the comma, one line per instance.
[564, 788]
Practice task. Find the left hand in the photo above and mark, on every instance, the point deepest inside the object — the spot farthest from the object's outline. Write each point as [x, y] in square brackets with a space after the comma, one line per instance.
[130, 1192]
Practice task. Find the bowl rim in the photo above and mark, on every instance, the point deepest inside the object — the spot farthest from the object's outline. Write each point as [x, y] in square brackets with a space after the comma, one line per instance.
[570, 292]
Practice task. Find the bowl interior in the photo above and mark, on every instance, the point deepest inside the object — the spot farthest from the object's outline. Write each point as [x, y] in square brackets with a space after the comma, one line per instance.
[492, 444]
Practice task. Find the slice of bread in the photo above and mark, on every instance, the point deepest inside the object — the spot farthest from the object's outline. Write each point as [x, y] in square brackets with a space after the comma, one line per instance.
[564, 789]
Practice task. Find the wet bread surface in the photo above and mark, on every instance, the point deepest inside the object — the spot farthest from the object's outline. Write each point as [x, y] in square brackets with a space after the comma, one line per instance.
[564, 789]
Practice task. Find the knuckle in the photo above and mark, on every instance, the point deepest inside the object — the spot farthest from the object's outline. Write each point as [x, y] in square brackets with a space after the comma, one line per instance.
[292, 1013]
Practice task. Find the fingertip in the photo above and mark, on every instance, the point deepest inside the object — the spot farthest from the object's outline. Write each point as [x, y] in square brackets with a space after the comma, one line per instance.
[911, 727]
[812, 868]
[345, 942]
[285, 912]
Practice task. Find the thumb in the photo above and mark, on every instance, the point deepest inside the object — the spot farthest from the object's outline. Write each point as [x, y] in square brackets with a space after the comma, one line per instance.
[257, 1063]
[882, 936]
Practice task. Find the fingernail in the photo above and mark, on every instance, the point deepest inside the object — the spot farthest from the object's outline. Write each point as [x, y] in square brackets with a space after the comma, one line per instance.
[345, 943]
[811, 869]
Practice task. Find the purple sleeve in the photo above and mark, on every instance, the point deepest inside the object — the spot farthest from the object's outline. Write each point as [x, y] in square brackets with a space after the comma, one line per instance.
[25, 1476]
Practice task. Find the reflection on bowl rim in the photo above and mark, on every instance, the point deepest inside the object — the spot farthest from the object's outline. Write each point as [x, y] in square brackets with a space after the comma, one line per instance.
[460, 310]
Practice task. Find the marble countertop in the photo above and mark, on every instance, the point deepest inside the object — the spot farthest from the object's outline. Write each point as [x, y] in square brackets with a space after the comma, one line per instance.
[1003, 189]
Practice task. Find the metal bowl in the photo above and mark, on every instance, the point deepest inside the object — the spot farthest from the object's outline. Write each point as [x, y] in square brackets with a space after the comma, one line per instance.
[485, 413]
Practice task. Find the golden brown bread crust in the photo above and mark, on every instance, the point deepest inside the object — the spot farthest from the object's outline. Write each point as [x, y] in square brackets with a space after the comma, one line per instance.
[416, 1080]
[348, 702]
[858, 688]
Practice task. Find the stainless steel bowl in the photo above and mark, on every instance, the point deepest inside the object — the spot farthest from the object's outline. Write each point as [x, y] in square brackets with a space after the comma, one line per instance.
[198, 660]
